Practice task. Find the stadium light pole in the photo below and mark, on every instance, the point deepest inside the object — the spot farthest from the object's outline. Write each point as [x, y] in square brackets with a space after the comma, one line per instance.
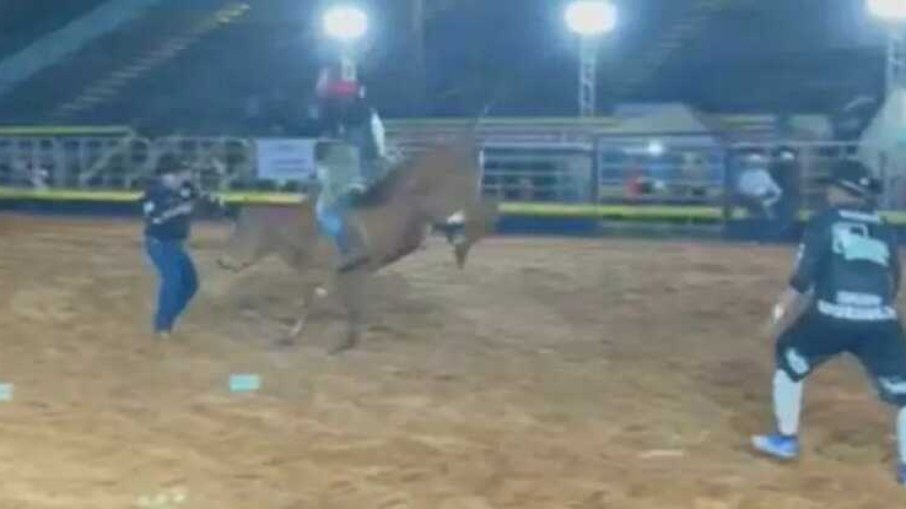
[346, 24]
[893, 14]
[590, 20]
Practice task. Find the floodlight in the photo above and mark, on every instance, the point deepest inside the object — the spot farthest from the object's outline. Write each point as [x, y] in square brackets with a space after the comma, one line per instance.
[888, 10]
[589, 18]
[345, 23]
[655, 148]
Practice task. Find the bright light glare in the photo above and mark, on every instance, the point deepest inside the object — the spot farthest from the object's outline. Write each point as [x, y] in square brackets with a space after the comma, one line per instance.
[888, 10]
[655, 148]
[591, 17]
[345, 23]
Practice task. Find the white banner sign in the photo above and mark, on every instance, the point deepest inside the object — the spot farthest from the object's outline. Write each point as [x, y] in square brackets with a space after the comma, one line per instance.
[286, 159]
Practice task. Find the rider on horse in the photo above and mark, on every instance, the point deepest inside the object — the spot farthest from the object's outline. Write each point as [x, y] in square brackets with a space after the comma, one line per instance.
[350, 159]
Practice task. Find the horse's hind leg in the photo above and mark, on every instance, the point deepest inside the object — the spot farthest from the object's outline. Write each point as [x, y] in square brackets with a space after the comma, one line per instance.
[301, 261]
[351, 286]
[480, 218]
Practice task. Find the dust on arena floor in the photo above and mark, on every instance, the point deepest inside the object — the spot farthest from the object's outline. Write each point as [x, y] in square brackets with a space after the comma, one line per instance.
[551, 373]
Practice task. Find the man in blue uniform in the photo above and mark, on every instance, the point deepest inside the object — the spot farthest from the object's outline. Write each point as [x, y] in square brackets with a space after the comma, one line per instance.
[841, 299]
[167, 205]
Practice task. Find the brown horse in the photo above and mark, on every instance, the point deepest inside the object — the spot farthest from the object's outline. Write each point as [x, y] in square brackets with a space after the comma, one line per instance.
[395, 218]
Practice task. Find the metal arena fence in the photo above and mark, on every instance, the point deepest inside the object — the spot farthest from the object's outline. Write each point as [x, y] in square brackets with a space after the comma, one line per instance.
[627, 171]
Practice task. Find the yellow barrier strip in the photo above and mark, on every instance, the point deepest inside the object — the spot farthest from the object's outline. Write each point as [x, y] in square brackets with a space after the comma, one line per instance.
[64, 195]
[66, 130]
[516, 208]
[597, 211]
[550, 210]
[8, 194]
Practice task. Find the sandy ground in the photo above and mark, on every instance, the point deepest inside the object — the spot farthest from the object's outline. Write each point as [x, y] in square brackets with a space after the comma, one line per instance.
[549, 374]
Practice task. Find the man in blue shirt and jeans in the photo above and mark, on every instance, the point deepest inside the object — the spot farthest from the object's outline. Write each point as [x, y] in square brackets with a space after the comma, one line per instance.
[167, 205]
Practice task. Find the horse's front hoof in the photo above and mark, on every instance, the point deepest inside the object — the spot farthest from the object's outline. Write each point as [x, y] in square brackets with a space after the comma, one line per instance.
[462, 254]
[285, 343]
[344, 347]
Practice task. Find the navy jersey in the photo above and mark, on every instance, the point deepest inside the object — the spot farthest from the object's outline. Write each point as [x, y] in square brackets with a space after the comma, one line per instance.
[168, 211]
[849, 261]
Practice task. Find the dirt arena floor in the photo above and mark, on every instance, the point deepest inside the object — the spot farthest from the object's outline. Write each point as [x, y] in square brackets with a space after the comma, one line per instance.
[549, 374]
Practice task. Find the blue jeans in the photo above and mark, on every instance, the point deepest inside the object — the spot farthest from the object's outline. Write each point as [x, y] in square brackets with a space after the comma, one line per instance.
[178, 281]
[333, 223]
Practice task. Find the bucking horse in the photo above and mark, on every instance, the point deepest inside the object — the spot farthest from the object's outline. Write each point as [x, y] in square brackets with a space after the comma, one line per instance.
[395, 216]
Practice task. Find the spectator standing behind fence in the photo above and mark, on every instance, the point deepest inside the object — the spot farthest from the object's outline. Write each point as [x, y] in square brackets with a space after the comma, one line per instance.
[694, 172]
[35, 174]
[759, 192]
[168, 204]
[785, 171]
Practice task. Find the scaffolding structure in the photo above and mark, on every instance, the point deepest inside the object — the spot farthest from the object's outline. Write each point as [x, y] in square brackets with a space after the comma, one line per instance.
[588, 83]
[896, 58]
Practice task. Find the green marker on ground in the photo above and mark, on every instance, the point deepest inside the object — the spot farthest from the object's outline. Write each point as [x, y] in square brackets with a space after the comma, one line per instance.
[245, 383]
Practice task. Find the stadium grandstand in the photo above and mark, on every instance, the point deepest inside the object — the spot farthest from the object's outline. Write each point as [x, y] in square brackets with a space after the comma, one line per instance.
[694, 77]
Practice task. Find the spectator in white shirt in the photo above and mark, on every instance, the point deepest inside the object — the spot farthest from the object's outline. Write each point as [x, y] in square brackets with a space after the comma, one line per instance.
[757, 189]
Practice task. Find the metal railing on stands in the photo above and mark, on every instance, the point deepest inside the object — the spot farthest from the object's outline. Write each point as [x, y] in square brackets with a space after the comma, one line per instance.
[687, 171]
[628, 176]
[121, 163]
[555, 175]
